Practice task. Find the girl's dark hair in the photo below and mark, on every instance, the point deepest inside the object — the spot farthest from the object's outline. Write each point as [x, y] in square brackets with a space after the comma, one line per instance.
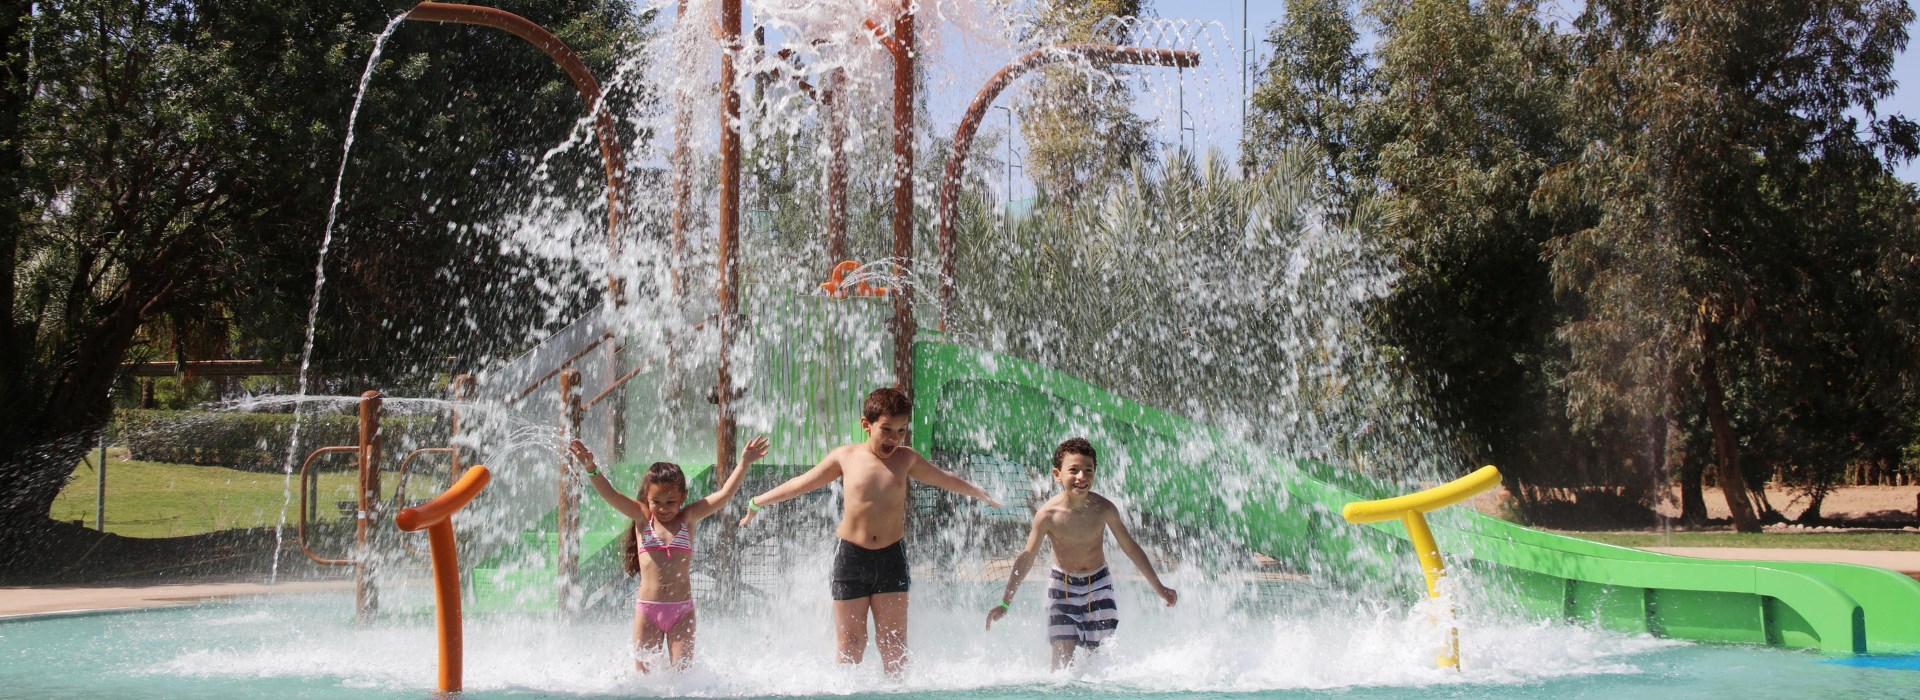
[665, 474]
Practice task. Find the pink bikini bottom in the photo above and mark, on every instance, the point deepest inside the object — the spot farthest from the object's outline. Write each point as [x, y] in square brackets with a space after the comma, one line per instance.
[664, 615]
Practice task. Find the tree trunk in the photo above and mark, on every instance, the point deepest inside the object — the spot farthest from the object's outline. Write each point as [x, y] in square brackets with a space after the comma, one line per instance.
[1726, 448]
[1815, 500]
[1693, 500]
[14, 16]
[43, 438]
[32, 473]
[1649, 486]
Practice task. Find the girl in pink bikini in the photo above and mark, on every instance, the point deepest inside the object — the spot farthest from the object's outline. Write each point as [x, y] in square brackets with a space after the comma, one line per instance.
[659, 547]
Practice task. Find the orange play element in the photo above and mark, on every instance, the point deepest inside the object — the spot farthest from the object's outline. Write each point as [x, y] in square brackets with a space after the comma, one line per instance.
[437, 517]
[835, 285]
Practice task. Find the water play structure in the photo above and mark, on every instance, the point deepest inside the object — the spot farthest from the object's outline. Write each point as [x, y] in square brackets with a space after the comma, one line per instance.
[983, 408]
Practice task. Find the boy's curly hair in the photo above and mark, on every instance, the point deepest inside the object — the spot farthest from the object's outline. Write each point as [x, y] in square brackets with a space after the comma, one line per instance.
[1074, 446]
[886, 401]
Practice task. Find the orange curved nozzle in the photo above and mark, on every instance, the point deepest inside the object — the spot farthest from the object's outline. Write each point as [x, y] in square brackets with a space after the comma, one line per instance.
[446, 504]
[834, 286]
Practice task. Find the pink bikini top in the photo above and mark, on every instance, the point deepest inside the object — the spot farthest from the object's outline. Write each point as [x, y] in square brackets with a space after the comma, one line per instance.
[682, 540]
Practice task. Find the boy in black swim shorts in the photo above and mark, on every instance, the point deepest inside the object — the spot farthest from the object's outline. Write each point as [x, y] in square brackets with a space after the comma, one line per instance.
[870, 576]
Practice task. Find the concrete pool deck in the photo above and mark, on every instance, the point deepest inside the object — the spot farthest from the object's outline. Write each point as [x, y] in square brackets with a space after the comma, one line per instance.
[29, 601]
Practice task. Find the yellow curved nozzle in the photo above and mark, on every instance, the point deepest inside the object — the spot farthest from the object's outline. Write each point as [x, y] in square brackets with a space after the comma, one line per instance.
[1411, 511]
[1429, 500]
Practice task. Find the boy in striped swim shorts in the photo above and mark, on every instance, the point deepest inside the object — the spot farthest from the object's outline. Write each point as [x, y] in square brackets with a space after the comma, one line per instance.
[1081, 612]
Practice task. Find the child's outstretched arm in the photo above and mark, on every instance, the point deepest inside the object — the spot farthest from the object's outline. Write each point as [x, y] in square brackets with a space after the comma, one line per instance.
[1138, 555]
[820, 475]
[755, 449]
[927, 472]
[620, 502]
[1021, 564]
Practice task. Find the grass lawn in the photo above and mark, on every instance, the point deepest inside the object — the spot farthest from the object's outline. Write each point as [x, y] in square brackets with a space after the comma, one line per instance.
[157, 499]
[1867, 541]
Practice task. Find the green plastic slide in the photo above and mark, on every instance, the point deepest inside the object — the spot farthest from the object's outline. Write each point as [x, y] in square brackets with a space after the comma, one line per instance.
[974, 402]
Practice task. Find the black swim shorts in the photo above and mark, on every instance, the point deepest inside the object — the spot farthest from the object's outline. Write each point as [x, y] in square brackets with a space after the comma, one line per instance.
[859, 572]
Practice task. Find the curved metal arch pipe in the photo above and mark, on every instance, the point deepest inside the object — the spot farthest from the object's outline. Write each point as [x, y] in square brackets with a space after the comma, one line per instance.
[969, 124]
[611, 157]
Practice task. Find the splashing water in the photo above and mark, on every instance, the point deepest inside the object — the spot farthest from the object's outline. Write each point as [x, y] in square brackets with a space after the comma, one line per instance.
[320, 283]
[1232, 302]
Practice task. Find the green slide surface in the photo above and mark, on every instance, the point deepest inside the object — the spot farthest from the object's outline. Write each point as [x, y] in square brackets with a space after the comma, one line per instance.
[974, 404]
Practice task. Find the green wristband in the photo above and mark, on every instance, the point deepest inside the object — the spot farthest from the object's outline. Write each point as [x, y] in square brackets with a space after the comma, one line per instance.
[1007, 605]
[752, 507]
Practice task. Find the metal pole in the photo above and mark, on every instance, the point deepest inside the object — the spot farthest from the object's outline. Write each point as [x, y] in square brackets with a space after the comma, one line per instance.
[729, 244]
[970, 123]
[100, 486]
[836, 169]
[904, 326]
[567, 519]
[1007, 225]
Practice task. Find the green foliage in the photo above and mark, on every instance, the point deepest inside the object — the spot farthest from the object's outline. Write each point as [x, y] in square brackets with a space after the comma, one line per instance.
[1311, 93]
[1235, 302]
[1078, 121]
[258, 441]
[1662, 237]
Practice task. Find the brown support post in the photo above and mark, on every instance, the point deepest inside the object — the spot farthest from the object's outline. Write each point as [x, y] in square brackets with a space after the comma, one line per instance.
[970, 123]
[463, 388]
[682, 183]
[836, 168]
[366, 596]
[567, 519]
[903, 48]
[729, 254]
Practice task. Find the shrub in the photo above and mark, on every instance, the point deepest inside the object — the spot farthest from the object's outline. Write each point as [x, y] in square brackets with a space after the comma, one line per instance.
[258, 441]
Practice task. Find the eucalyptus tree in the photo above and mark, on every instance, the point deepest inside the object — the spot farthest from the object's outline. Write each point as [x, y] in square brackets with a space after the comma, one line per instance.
[1312, 92]
[1695, 115]
[1441, 132]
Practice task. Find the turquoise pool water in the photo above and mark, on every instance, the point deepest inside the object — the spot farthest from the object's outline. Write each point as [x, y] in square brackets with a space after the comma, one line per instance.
[301, 647]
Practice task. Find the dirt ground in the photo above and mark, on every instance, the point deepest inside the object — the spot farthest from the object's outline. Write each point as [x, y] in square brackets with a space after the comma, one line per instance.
[1863, 506]
[1852, 504]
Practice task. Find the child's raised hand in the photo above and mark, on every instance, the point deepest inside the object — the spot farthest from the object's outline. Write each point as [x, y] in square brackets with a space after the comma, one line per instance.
[1168, 594]
[754, 451]
[744, 519]
[994, 615]
[582, 454]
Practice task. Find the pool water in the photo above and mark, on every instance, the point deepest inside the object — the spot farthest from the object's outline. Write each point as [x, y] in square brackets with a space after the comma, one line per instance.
[303, 647]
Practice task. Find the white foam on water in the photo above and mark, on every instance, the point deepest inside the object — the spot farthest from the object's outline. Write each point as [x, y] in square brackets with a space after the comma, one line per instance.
[788, 650]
